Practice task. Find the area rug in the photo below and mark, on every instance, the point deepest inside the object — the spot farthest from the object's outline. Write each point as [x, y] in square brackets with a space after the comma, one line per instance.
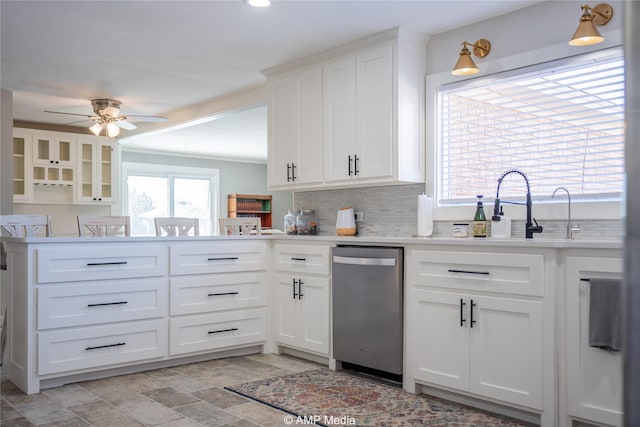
[329, 398]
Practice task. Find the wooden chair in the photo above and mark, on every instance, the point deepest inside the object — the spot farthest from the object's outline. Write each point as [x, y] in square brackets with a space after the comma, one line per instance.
[25, 225]
[104, 226]
[241, 226]
[172, 226]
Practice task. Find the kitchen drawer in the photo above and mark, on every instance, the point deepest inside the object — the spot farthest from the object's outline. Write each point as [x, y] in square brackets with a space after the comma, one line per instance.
[302, 259]
[217, 331]
[100, 346]
[518, 274]
[223, 257]
[85, 262]
[93, 303]
[214, 292]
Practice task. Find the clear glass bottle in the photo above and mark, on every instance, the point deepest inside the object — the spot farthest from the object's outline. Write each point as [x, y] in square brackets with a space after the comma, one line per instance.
[307, 222]
[479, 220]
[290, 221]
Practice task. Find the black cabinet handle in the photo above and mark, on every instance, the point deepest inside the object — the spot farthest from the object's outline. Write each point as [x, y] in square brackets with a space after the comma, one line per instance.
[231, 258]
[298, 259]
[462, 319]
[107, 303]
[106, 346]
[468, 272]
[473, 304]
[222, 293]
[293, 171]
[93, 264]
[355, 165]
[288, 172]
[295, 295]
[300, 289]
[222, 330]
[349, 164]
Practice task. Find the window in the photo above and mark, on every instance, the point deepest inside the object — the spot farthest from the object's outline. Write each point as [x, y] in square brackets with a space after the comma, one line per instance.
[152, 191]
[561, 123]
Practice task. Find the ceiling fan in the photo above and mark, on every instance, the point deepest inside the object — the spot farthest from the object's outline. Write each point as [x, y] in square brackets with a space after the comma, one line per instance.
[107, 116]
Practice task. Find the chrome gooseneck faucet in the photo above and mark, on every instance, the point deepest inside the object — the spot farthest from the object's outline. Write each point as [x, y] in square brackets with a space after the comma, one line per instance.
[570, 227]
[529, 227]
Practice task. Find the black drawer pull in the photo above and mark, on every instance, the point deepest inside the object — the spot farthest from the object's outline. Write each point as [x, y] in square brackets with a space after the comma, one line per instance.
[473, 321]
[223, 330]
[231, 258]
[298, 259]
[107, 303]
[469, 272]
[222, 293]
[106, 346]
[462, 319]
[106, 263]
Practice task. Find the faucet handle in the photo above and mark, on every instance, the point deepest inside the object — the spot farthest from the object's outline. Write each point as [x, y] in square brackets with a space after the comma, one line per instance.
[571, 228]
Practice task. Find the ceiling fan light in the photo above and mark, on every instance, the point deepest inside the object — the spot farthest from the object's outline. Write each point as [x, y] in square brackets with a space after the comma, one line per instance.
[111, 111]
[112, 130]
[259, 3]
[96, 128]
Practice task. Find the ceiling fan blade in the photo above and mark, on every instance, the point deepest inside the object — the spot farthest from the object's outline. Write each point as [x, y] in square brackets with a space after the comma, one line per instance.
[125, 124]
[72, 114]
[145, 119]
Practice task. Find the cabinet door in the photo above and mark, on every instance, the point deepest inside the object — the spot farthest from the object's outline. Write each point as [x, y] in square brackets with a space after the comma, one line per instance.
[295, 129]
[506, 350]
[22, 172]
[374, 113]
[53, 159]
[314, 296]
[438, 334]
[339, 115]
[288, 311]
[594, 376]
[96, 171]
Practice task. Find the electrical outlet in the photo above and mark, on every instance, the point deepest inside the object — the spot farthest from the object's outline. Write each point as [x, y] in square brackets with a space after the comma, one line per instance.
[359, 216]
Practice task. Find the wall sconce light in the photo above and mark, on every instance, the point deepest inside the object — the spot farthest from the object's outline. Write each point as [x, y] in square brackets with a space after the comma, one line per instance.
[587, 33]
[465, 64]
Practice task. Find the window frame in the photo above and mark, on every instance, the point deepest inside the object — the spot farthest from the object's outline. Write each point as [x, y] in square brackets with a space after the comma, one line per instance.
[547, 209]
[157, 170]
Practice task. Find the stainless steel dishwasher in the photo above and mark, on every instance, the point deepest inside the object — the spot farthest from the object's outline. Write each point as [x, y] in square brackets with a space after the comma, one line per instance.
[367, 302]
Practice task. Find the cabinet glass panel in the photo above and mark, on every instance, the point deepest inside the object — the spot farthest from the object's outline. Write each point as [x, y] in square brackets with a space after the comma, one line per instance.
[42, 149]
[87, 170]
[18, 167]
[39, 172]
[64, 151]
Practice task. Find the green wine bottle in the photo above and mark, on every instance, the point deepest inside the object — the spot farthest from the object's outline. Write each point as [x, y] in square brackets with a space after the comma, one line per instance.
[479, 220]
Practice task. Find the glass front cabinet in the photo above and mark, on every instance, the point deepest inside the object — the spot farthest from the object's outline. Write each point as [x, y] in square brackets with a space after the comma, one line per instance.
[96, 171]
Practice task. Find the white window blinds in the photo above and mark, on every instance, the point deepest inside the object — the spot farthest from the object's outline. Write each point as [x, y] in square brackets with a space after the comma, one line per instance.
[561, 124]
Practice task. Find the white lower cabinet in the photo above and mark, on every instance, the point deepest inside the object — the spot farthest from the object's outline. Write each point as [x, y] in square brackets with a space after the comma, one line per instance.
[302, 302]
[465, 334]
[593, 377]
[488, 346]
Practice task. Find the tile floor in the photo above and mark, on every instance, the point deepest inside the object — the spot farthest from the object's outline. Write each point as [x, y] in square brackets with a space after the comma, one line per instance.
[183, 396]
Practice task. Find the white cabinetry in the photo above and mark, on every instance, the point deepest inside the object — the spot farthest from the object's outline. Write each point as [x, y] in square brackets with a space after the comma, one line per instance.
[358, 115]
[218, 296]
[371, 115]
[593, 376]
[97, 171]
[53, 158]
[64, 168]
[295, 129]
[475, 324]
[302, 312]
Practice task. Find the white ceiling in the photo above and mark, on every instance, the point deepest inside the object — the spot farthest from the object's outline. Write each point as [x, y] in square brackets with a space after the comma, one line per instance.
[169, 57]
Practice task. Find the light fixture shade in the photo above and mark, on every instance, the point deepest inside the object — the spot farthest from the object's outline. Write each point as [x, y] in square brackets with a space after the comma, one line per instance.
[465, 64]
[111, 111]
[96, 128]
[587, 33]
[259, 3]
[112, 130]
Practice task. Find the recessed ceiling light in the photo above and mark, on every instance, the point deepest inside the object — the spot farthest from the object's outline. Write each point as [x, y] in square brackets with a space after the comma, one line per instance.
[259, 3]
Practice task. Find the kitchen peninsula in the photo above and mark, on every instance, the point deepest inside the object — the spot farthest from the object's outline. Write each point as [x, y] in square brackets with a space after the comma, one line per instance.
[84, 308]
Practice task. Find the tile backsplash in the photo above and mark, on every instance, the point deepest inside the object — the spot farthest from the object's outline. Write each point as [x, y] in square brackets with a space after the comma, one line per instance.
[391, 211]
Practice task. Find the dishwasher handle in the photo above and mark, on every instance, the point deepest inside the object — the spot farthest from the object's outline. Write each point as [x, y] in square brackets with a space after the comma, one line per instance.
[386, 262]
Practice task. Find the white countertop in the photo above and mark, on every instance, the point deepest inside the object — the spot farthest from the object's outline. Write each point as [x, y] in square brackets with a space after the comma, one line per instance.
[356, 240]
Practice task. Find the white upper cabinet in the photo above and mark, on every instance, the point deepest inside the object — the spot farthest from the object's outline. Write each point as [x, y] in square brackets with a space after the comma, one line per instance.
[295, 129]
[351, 116]
[358, 116]
[53, 159]
[97, 171]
